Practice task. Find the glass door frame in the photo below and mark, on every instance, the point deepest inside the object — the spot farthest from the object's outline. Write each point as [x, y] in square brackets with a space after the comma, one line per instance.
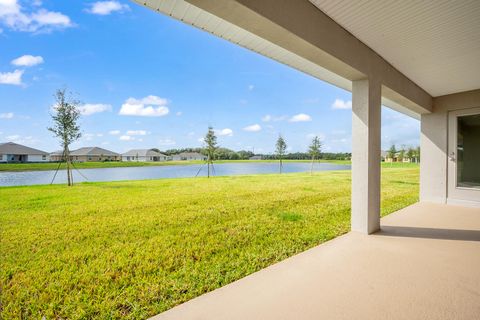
[455, 194]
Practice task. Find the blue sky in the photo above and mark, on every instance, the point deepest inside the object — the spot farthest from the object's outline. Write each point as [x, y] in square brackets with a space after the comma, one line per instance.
[147, 80]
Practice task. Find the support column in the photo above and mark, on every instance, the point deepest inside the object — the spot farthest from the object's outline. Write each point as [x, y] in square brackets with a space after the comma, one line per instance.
[366, 127]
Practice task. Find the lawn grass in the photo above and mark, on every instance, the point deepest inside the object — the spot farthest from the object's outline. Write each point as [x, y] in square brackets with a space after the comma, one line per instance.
[133, 249]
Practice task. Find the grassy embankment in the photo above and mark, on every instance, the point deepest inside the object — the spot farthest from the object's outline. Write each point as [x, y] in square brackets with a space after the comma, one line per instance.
[92, 165]
[134, 249]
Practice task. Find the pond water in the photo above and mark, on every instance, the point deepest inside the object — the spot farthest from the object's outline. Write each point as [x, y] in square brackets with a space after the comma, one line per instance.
[174, 171]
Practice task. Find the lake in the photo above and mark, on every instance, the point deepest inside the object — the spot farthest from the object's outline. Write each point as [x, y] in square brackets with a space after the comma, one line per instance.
[174, 171]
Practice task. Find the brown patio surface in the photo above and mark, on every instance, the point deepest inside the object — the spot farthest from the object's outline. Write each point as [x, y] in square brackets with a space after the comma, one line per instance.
[424, 264]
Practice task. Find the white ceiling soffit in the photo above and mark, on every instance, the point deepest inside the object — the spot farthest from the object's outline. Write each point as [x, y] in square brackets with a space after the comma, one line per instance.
[187, 13]
[206, 21]
[435, 43]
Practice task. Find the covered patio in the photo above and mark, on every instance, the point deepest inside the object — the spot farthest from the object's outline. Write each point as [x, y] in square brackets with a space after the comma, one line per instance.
[423, 264]
[420, 58]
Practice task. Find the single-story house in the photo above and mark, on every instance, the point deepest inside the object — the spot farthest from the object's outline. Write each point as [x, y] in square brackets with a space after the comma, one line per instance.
[88, 154]
[399, 158]
[255, 158]
[13, 152]
[188, 156]
[56, 156]
[144, 155]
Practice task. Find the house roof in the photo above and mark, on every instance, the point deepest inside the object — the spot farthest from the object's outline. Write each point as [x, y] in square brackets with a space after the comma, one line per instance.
[57, 153]
[93, 151]
[143, 153]
[14, 148]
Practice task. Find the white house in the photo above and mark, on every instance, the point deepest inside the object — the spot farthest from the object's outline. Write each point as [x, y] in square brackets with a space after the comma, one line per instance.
[144, 155]
[187, 156]
[13, 152]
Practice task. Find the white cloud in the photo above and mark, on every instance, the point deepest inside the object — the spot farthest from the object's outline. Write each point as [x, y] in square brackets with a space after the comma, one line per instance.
[104, 8]
[136, 132]
[14, 78]
[321, 136]
[15, 17]
[301, 117]
[166, 142]
[7, 115]
[114, 132]
[224, 132]
[29, 140]
[88, 136]
[253, 128]
[89, 109]
[27, 60]
[179, 113]
[341, 104]
[251, 87]
[267, 118]
[126, 138]
[14, 137]
[150, 106]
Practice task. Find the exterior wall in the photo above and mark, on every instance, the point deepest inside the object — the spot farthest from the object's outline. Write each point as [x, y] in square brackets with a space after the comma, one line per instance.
[434, 144]
[144, 159]
[178, 157]
[134, 158]
[85, 158]
[24, 158]
[38, 158]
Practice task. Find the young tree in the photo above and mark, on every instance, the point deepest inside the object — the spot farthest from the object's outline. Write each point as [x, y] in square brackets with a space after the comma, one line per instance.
[411, 155]
[314, 151]
[417, 154]
[392, 152]
[281, 147]
[65, 125]
[401, 154]
[211, 146]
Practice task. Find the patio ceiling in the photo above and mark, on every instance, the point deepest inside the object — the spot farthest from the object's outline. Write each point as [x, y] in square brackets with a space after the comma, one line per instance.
[250, 24]
[417, 49]
[435, 43]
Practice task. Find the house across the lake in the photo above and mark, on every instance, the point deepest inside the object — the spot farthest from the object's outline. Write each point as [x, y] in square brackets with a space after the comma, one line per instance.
[13, 152]
[144, 155]
[185, 156]
[89, 154]
[257, 157]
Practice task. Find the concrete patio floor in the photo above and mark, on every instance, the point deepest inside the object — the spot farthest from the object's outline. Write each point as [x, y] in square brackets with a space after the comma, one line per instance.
[424, 264]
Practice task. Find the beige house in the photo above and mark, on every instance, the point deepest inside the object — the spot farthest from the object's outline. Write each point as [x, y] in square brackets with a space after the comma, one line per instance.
[421, 58]
[188, 156]
[93, 154]
[144, 155]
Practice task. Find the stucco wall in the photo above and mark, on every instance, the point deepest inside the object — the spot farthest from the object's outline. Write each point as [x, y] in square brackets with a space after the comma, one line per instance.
[38, 158]
[434, 143]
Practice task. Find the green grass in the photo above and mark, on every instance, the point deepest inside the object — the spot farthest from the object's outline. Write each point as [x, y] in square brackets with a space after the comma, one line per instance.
[92, 165]
[133, 249]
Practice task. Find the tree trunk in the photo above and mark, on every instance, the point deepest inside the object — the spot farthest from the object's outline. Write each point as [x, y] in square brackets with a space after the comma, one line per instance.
[208, 167]
[311, 167]
[67, 158]
[281, 165]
